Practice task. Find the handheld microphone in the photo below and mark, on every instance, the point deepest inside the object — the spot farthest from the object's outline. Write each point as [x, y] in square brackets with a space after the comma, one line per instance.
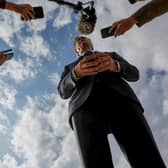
[87, 20]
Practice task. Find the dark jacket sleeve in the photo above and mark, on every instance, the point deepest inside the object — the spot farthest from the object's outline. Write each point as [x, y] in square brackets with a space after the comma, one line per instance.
[150, 11]
[127, 71]
[66, 85]
[2, 4]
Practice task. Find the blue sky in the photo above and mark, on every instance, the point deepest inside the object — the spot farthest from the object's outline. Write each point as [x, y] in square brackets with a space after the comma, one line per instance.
[34, 126]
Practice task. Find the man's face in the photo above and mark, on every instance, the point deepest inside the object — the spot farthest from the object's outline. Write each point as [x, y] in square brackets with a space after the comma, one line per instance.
[83, 44]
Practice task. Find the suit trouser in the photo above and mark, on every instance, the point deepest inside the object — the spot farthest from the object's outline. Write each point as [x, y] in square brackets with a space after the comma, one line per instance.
[129, 127]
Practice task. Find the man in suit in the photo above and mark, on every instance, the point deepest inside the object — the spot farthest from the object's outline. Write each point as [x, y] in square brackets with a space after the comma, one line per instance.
[24, 10]
[144, 15]
[102, 102]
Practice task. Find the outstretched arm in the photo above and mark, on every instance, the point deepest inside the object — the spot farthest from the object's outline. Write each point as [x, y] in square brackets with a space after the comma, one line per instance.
[144, 15]
[25, 10]
[150, 11]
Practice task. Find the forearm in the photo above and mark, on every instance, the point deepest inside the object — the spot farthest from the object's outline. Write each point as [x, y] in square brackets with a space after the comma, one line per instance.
[127, 71]
[150, 11]
[10, 6]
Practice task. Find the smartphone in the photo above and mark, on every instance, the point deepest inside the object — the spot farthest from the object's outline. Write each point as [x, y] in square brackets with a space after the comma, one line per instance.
[105, 32]
[39, 13]
[7, 53]
[10, 56]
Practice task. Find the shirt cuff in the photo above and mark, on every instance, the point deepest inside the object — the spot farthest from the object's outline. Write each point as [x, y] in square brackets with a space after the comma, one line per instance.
[74, 77]
[118, 66]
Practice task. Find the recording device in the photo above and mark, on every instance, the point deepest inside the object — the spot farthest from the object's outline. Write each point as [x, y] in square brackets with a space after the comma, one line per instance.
[88, 16]
[8, 53]
[38, 13]
[106, 33]
[134, 1]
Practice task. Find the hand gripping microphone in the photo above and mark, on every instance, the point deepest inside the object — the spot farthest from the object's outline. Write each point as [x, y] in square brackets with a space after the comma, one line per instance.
[88, 16]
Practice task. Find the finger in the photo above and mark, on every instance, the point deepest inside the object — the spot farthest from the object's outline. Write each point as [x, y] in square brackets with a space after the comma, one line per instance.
[25, 16]
[91, 69]
[105, 58]
[114, 25]
[30, 15]
[121, 31]
[89, 64]
[104, 67]
[29, 7]
[88, 58]
[101, 55]
[117, 30]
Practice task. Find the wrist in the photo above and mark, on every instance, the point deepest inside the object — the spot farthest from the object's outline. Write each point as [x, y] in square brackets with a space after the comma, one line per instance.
[133, 20]
[116, 66]
[10, 6]
[75, 76]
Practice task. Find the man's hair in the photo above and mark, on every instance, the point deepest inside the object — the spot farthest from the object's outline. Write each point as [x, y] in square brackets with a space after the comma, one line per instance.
[75, 40]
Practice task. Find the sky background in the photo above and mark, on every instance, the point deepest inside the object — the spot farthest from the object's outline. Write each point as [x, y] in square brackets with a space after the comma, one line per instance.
[34, 130]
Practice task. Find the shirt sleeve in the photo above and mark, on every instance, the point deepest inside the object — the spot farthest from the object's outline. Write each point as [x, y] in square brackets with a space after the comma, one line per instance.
[150, 11]
[2, 4]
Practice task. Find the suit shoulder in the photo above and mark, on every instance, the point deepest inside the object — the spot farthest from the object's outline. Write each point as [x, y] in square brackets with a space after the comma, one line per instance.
[70, 65]
[113, 53]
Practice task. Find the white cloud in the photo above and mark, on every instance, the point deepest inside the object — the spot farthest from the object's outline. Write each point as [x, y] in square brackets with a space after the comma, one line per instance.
[8, 162]
[54, 78]
[63, 18]
[7, 95]
[3, 129]
[34, 46]
[4, 117]
[39, 136]
[20, 70]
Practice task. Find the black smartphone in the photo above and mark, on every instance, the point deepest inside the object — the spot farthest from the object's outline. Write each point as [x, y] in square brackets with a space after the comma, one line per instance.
[105, 32]
[39, 13]
[9, 56]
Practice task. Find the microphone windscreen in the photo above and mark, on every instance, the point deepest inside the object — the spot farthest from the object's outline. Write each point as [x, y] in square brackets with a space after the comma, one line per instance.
[86, 26]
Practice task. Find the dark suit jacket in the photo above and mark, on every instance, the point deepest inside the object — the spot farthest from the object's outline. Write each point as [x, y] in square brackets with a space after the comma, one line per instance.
[150, 11]
[81, 89]
[2, 4]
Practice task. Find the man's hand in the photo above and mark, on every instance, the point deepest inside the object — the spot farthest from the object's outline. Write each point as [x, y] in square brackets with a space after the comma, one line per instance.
[3, 58]
[25, 10]
[87, 66]
[123, 26]
[91, 65]
[106, 63]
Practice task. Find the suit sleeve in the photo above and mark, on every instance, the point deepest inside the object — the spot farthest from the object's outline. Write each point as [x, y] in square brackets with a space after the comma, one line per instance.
[127, 71]
[150, 11]
[2, 4]
[67, 84]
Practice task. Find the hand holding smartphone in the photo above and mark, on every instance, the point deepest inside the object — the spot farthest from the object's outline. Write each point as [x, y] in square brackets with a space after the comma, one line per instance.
[5, 55]
[39, 13]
